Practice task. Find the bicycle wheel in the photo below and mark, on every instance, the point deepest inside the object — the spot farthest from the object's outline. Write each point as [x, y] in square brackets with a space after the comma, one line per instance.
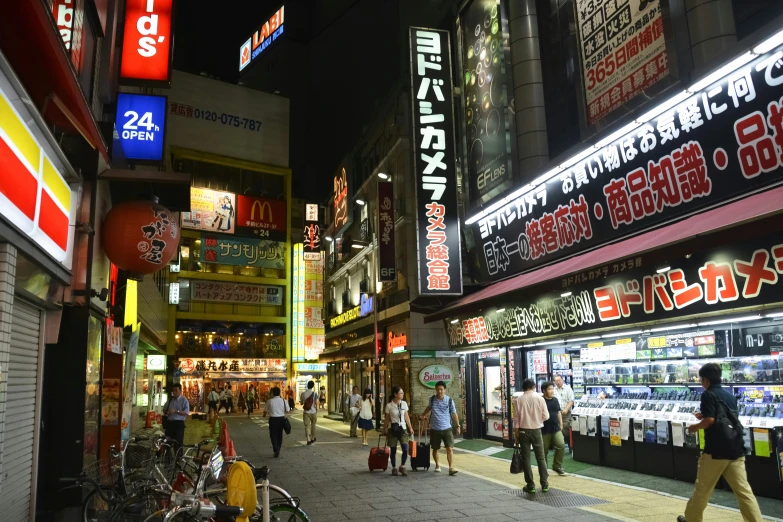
[286, 513]
[141, 507]
[95, 508]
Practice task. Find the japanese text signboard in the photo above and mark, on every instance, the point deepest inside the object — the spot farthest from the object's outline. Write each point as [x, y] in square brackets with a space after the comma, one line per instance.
[719, 143]
[311, 238]
[264, 218]
[63, 11]
[623, 51]
[242, 252]
[387, 263]
[236, 293]
[440, 263]
[742, 275]
[484, 33]
[271, 366]
[141, 126]
[146, 45]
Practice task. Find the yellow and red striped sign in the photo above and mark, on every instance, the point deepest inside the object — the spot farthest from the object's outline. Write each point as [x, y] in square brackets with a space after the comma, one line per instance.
[34, 196]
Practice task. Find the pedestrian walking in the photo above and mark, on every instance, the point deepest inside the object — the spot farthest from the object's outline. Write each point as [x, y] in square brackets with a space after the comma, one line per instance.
[443, 422]
[276, 408]
[213, 399]
[310, 411]
[223, 402]
[177, 411]
[565, 397]
[366, 414]
[251, 400]
[397, 426]
[530, 412]
[229, 399]
[241, 402]
[552, 432]
[289, 395]
[322, 399]
[724, 450]
[352, 407]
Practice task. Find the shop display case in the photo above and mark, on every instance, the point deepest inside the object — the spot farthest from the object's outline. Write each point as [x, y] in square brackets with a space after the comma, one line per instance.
[494, 401]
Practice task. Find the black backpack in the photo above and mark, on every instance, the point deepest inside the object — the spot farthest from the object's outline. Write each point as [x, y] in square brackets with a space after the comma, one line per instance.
[729, 431]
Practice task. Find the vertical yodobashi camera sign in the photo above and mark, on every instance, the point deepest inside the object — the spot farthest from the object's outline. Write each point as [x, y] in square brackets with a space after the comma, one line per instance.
[140, 124]
[262, 38]
[146, 45]
[440, 264]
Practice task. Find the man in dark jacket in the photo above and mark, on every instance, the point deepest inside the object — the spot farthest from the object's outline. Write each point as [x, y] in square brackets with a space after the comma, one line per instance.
[720, 456]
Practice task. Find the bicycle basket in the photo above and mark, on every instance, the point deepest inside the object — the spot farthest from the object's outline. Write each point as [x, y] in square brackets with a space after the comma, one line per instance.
[137, 456]
[101, 472]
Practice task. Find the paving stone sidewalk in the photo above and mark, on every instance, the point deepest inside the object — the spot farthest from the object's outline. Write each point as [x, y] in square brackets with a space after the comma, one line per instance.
[333, 481]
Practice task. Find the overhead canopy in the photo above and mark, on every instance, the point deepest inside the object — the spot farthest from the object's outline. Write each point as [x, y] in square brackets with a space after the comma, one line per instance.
[749, 208]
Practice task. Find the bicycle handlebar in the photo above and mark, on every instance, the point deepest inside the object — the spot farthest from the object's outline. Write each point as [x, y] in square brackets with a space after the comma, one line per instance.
[228, 511]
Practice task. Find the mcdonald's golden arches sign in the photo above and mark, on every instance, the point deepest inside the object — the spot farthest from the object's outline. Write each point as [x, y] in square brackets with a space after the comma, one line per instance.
[259, 217]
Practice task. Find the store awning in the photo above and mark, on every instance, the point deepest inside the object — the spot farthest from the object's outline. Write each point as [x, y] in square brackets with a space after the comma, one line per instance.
[748, 209]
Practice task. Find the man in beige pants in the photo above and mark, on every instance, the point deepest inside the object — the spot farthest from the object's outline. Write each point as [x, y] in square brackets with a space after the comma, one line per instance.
[721, 456]
[309, 400]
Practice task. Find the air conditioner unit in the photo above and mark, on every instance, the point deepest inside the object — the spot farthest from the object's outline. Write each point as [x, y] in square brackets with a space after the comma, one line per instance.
[364, 286]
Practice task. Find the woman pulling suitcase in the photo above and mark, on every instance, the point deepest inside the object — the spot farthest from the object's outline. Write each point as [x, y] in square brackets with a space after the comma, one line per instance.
[397, 425]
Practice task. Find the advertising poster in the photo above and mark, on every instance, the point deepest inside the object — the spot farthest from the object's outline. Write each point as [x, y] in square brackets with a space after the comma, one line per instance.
[210, 210]
[604, 426]
[439, 255]
[239, 293]
[129, 380]
[623, 51]
[110, 414]
[242, 252]
[485, 42]
[111, 390]
[591, 426]
[662, 432]
[615, 438]
[638, 430]
[650, 431]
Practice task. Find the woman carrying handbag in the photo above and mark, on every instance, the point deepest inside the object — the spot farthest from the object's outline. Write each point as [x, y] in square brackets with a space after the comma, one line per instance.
[366, 414]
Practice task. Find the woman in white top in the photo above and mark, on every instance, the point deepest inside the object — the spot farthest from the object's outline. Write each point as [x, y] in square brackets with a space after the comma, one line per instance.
[276, 407]
[366, 414]
[398, 427]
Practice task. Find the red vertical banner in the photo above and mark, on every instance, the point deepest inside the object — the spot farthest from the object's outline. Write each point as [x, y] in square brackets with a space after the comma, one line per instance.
[387, 266]
[146, 45]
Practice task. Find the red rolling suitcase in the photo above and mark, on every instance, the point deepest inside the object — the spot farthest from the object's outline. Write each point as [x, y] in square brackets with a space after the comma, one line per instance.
[422, 458]
[379, 456]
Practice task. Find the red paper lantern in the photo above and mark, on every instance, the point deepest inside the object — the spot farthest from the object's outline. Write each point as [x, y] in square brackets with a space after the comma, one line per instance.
[140, 237]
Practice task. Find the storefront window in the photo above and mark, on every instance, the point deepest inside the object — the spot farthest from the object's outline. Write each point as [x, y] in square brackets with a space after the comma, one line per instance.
[92, 400]
[217, 344]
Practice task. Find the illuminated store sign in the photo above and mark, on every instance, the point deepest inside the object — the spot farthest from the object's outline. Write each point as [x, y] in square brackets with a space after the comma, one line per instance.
[721, 138]
[741, 275]
[146, 45]
[342, 217]
[262, 38]
[309, 368]
[440, 261]
[365, 308]
[141, 126]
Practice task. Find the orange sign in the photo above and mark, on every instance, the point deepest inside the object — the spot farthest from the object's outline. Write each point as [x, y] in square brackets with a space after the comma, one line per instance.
[396, 341]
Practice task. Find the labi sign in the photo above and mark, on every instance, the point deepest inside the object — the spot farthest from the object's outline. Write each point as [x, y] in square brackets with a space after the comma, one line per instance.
[430, 375]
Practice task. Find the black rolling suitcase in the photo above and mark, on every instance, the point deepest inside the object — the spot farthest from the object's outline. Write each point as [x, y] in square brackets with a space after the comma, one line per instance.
[422, 458]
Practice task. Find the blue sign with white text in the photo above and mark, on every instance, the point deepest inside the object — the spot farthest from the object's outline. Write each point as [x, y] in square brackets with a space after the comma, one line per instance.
[140, 125]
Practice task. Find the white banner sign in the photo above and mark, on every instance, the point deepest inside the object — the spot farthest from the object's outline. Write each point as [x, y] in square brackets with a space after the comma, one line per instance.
[239, 293]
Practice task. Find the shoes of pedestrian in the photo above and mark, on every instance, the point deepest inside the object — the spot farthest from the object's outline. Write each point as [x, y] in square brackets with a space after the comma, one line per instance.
[561, 472]
[528, 489]
[277, 454]
[313, 441]
[403, 472]
[545, 489]
[681, 518]
[365, 443]
[437, 469]
[309, 442]
[395, 472]
[452, 472]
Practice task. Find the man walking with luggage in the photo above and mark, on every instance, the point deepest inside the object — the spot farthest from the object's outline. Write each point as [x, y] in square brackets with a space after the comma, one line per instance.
[530, 412]
[565, 396]
[443, 415]
[309, 400]
[721, 455]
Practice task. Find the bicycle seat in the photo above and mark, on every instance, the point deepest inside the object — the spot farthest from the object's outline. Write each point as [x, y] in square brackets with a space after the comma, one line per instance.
[261, 473]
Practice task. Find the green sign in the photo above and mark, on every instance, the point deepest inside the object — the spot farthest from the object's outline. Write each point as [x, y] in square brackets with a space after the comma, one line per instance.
[242, 252]
[430, 375]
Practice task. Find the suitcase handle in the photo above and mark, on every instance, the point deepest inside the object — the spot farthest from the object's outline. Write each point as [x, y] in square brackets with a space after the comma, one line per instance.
[384, 442]
[422, 428]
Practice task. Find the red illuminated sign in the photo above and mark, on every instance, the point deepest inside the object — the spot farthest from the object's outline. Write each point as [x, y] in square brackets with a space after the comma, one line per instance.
[146, 46]
[63, 17]
[260, 217]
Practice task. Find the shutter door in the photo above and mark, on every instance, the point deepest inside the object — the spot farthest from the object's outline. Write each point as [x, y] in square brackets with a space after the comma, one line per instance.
[19, 423]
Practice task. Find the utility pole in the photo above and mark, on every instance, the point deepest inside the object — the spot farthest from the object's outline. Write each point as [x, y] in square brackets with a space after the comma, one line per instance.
[376, 304]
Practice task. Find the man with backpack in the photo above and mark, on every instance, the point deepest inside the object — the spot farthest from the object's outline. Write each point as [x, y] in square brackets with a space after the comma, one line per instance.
[724, 450]
[443, 415]
[309, 400]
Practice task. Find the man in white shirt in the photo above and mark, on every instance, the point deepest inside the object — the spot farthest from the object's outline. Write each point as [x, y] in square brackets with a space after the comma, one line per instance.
[213, 399]
[530, 412]
[229, 399]
[276, 408]
[351, 406]
[310, 415]
[177, 411]
[565, 396]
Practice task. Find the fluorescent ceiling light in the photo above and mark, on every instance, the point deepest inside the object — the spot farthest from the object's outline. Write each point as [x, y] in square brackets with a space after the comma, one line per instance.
[622, 334]
[559, 341]
[500, 310]
[565, 294]
[383, 175]
[674, 327]
[356, 246]
[455, 321]
[729, 68]
[328, 238]
[361, 202]
[777, 314]
[735, 320]
[584, 338]
[663, 269]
